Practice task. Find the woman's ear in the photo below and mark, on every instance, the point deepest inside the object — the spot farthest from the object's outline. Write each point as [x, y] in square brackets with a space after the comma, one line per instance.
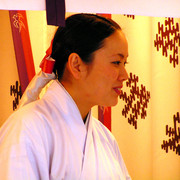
[76, 66]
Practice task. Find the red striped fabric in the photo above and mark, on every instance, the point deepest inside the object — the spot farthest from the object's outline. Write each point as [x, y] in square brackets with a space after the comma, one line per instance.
[104, 115]
[22, 47]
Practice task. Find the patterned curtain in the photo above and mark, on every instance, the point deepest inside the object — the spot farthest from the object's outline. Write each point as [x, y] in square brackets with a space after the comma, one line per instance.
[146, 121]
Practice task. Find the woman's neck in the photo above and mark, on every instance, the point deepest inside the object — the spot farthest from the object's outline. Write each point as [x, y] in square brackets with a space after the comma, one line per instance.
[78, 98]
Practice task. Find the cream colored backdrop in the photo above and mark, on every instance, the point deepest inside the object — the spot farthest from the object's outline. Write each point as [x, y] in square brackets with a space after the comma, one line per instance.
[140, 147]
[8, 68]
[136, 144]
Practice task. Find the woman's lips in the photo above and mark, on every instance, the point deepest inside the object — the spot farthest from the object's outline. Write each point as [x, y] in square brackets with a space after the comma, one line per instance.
[117, 90]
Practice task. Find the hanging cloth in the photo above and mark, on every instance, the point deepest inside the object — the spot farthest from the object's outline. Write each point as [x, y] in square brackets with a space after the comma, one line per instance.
[55, 12]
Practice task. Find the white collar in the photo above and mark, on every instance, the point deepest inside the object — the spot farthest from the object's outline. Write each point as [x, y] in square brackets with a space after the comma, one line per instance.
[65, 104]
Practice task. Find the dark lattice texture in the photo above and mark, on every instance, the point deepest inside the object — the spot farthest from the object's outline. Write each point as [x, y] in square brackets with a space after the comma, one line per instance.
[168, 39]
[137, 102]
[174, 134]
[15, 90]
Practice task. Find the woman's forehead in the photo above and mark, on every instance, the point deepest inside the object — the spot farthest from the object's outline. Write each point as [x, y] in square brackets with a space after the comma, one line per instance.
[116, 44]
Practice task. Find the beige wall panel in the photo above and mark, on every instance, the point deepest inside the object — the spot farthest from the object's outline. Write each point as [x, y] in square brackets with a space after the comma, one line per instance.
[135, 144]
[8, 68]
[165, 103]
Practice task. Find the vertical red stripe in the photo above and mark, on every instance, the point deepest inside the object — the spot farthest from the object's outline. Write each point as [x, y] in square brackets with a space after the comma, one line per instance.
[104, 115]
[22, 47]
[18, 48]
[107, 118]
[27, 47]
[101, 114]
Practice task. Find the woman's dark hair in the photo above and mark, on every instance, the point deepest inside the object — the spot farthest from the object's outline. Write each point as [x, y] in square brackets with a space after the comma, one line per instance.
[83, 34]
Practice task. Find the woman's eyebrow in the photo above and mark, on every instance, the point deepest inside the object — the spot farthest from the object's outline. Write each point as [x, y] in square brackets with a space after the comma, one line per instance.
[122, 55]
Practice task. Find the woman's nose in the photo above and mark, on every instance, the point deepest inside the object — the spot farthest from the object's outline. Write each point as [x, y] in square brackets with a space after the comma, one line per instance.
[123, 74]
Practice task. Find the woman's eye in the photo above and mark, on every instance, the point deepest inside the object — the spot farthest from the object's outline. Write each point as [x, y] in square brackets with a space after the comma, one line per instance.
[116, 62]
[119, 62]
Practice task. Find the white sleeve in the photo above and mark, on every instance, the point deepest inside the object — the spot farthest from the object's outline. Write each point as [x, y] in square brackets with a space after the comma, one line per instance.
[22, 155]
[14, 165]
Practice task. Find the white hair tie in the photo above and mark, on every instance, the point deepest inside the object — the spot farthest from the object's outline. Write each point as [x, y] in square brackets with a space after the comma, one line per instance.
[40, 80]
[35, 87]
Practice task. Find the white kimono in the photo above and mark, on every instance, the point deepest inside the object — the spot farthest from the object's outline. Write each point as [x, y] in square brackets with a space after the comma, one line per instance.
[48, 140]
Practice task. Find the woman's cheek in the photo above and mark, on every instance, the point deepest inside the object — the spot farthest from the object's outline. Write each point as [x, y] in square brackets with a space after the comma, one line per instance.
[113, 74]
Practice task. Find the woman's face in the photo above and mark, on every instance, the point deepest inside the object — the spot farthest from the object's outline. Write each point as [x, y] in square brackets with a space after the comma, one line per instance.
[106, 73]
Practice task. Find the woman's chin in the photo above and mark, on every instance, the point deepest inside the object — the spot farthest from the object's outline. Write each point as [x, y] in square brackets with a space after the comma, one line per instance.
[112, 103]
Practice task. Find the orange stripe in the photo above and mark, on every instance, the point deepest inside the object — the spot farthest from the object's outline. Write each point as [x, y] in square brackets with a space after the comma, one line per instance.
[105, 15]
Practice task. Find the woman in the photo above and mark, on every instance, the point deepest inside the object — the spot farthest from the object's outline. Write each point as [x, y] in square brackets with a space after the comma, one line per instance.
[56, 137]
